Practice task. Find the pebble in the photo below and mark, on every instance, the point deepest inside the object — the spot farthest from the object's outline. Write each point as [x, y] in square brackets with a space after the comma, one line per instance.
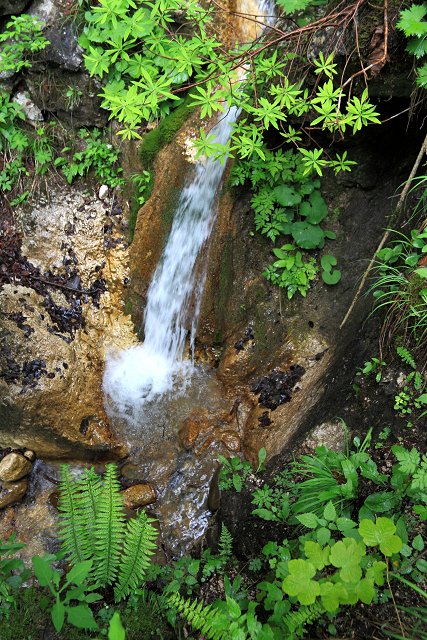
[231, 440]
[139, 495]
[11, 492]
[103, 192]
[13, 467]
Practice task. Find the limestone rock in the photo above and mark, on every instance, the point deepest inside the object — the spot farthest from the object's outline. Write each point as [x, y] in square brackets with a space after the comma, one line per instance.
[11, 492]
[13, 467]
[32, 112]
[103, 192]
[138, 496]
[30, 455]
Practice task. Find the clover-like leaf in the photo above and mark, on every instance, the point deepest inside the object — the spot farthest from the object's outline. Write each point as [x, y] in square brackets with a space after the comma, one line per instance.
[299, 582]
[346, 555]
[376, 572]
[286, 196]
[316, 555]
[381, 533]
[332, 595]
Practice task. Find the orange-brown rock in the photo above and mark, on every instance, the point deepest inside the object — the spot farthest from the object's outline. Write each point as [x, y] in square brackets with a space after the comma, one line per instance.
[139, 495]
[197, 422]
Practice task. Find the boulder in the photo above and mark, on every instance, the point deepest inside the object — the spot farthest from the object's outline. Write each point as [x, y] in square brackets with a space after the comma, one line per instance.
[14, 467]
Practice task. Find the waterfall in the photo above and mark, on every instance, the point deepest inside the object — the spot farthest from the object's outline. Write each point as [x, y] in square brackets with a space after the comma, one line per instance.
[144, 372]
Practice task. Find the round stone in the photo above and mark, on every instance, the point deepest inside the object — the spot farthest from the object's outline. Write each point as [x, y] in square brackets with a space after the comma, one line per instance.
[11, 492]
[13, 467]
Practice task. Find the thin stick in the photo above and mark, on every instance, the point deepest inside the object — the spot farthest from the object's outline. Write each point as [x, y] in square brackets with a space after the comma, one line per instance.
[385, 237]
[394, 601]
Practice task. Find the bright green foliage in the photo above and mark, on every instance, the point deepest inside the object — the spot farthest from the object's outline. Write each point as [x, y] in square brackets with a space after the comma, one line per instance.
[96, 156]
[330, 275]
[73, 588]
[133, 48]
[22, 38]
[287, 202]
[374, 365]
[139, 545]
[12, 574]
[381, 533]
[400, 289]
[299, 582]
[212, 624]
[93, 529]
[413, 24]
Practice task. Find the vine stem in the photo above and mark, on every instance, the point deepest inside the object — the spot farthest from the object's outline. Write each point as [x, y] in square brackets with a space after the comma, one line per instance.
[386, 235]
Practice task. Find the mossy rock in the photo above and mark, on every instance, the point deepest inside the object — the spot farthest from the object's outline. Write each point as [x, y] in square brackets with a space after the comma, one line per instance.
[163, 134]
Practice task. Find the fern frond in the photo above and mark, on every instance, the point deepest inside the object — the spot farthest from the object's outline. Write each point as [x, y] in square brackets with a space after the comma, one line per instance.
[406, 356]
[91, 486]
[139, 546]
[225, 544]
[109, 528]
[212, 623]
[305, 615]
[72, 531]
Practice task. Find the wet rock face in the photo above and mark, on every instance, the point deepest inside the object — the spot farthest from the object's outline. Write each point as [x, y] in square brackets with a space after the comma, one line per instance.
[60, 309]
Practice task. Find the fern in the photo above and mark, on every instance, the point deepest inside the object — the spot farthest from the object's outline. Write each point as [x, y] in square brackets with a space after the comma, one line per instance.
[109, 528]
[138, 547]
[91, 487]
[296, 620]
[225, 545]
[406, 357]
[72, 532]
[212, 624]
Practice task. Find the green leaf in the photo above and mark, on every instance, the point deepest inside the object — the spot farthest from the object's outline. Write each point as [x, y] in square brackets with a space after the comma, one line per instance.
[58, 614]
[381, 533]
[43, 571]
[346, 555]
[332, 277]
[115, 629]
[286, 196]
[81, 617]
[307, 236]
[309, 520]
[299, 583]
[79, 572]
[316, 555]
[329, 512]
[418, 543]
[422, 272]
[315, 209]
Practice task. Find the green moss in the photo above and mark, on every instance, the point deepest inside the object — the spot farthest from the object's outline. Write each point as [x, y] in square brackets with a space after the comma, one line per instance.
[154, 140]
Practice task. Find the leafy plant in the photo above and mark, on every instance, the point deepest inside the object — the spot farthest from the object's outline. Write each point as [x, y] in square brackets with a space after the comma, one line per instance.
[12, 574]
[74, 588]
[235, 472]
[400, 286]
[93, 529]
[414, 26]
[22, 38]
[96, 156]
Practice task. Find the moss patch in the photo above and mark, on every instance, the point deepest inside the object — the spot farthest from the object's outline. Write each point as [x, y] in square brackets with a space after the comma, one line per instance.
[154, 140]
[225, 282]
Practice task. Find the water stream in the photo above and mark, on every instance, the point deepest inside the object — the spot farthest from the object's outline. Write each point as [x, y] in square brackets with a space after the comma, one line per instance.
[150, 389]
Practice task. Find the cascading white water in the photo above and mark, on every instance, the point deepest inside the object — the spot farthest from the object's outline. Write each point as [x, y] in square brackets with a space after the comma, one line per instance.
[148, 370]
[140, 374]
